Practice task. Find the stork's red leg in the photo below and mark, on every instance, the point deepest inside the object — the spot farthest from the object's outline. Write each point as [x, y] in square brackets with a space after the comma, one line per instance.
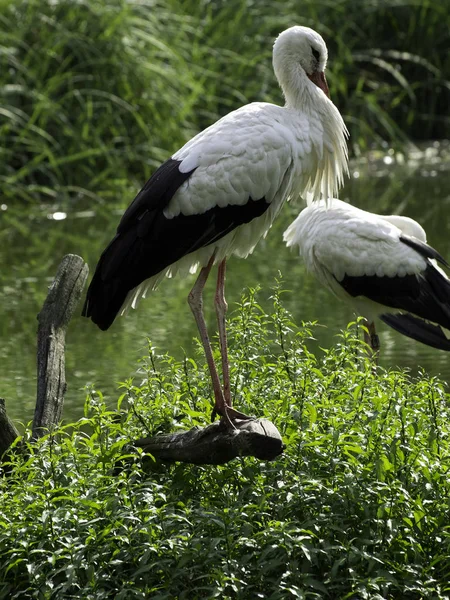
[195, 300]
[221, 311]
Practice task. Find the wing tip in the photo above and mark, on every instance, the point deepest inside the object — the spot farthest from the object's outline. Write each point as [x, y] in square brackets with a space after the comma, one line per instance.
[417, 329]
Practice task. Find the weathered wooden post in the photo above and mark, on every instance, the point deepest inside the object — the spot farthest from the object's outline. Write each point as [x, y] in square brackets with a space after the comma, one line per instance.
[8, 432]
[62, 299]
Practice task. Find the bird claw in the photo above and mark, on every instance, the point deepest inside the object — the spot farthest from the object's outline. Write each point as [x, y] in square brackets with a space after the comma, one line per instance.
[228, 415]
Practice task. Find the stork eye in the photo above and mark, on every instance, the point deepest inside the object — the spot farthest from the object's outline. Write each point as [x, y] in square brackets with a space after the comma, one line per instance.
[316, 54]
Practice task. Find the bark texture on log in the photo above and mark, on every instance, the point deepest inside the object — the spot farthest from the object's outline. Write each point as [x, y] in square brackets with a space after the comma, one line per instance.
[8, 432]
[215, 445]
[62, 299]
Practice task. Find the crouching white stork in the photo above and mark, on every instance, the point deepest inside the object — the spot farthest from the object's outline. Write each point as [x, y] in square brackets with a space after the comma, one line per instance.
[381, 265]
[220, 193]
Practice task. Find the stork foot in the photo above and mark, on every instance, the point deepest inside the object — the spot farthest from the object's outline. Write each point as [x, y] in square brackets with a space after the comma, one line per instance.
[228, 415]
[375, 342]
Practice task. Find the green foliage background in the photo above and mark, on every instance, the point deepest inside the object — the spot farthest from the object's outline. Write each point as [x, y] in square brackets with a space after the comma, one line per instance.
[95, 94]
[357, 507]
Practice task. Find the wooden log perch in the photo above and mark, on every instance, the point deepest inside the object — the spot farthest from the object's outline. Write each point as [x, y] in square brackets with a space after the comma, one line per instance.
[215, 445]
[63, 297]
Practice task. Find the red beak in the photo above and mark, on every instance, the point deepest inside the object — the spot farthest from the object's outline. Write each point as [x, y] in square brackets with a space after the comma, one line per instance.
[318, 78]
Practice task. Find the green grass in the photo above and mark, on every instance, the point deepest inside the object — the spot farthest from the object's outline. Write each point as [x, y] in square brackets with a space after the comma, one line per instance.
[94, 95]
[357, 507]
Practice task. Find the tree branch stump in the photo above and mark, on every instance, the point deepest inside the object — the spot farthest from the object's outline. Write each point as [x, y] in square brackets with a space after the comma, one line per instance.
[63, 297]
[8, 432]
[215, 445]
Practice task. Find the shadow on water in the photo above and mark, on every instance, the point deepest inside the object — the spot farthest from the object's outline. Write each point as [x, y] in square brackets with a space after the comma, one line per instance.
[33, 241]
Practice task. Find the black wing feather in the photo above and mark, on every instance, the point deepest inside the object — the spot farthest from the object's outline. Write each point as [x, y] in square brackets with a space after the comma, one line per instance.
[417, 329]
[426, 295]
[147, 242]
[422, 248]
[156, 193]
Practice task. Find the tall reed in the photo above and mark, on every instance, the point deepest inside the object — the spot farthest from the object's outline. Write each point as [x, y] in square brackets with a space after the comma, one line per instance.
[93, 95]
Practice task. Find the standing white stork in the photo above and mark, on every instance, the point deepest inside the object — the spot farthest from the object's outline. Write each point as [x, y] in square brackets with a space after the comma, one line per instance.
[381, 265]
[220, 193]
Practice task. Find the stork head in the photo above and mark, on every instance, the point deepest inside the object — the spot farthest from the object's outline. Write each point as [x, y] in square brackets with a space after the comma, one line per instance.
[300, 49]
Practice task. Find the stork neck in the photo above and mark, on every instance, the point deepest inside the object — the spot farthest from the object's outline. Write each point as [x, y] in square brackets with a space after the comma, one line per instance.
[299, 92]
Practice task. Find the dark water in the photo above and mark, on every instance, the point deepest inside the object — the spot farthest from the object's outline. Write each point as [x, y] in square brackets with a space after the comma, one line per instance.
[33, 241]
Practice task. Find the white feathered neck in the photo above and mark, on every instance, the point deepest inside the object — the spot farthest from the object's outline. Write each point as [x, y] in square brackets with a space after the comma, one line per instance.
[293, 61]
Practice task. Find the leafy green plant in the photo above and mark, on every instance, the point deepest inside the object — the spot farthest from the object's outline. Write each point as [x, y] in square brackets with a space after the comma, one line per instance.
[357, 507]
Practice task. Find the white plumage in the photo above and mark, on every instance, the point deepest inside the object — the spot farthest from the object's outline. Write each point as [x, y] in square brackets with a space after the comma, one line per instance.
[260, 151]
[220, 193]
[381, 265]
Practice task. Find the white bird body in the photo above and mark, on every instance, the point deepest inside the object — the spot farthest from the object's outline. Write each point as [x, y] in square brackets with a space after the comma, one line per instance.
[336, 239]
[258, 151]
[220, 193]
[378, 264]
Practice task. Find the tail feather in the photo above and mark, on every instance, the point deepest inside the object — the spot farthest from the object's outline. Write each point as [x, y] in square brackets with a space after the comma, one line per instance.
[103, 301]
[418, 329]
[113, 279]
